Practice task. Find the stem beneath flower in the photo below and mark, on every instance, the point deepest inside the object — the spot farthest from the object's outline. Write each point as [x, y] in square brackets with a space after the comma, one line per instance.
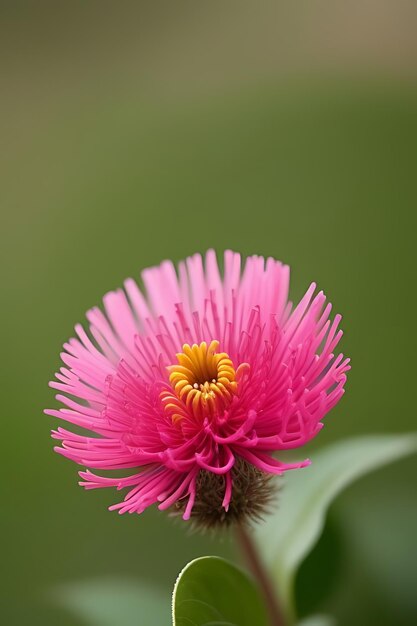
[261, 575]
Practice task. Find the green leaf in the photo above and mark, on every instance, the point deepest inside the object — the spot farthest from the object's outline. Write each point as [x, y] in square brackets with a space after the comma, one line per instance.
[212, 592]
[317, 620]
[290, 533]
[106, 602]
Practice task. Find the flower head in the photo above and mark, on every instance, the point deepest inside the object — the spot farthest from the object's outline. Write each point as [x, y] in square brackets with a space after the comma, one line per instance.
[194, 382]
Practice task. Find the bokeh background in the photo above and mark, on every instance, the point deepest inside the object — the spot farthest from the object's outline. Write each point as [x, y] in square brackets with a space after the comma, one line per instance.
[133, 132]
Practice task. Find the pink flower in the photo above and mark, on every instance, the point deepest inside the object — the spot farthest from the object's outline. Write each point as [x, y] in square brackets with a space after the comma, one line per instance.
[194, 374]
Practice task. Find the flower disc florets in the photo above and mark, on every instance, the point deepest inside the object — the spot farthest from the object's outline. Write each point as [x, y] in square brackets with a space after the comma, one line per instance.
[204, 383]
[196, 383]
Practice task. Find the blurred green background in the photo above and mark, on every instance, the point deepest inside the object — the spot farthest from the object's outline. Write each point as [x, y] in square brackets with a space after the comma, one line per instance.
[133, 132]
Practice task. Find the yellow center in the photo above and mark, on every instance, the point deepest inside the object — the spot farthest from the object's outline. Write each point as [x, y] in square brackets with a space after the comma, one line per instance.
[203, 381]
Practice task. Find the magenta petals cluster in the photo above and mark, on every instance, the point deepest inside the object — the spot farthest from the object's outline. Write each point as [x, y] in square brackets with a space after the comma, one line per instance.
[197, 369]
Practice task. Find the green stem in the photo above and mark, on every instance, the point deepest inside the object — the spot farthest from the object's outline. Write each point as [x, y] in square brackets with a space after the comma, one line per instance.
[261, 576]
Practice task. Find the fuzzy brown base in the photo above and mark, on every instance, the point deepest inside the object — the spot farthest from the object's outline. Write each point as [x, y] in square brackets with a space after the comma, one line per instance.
[253, 493]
